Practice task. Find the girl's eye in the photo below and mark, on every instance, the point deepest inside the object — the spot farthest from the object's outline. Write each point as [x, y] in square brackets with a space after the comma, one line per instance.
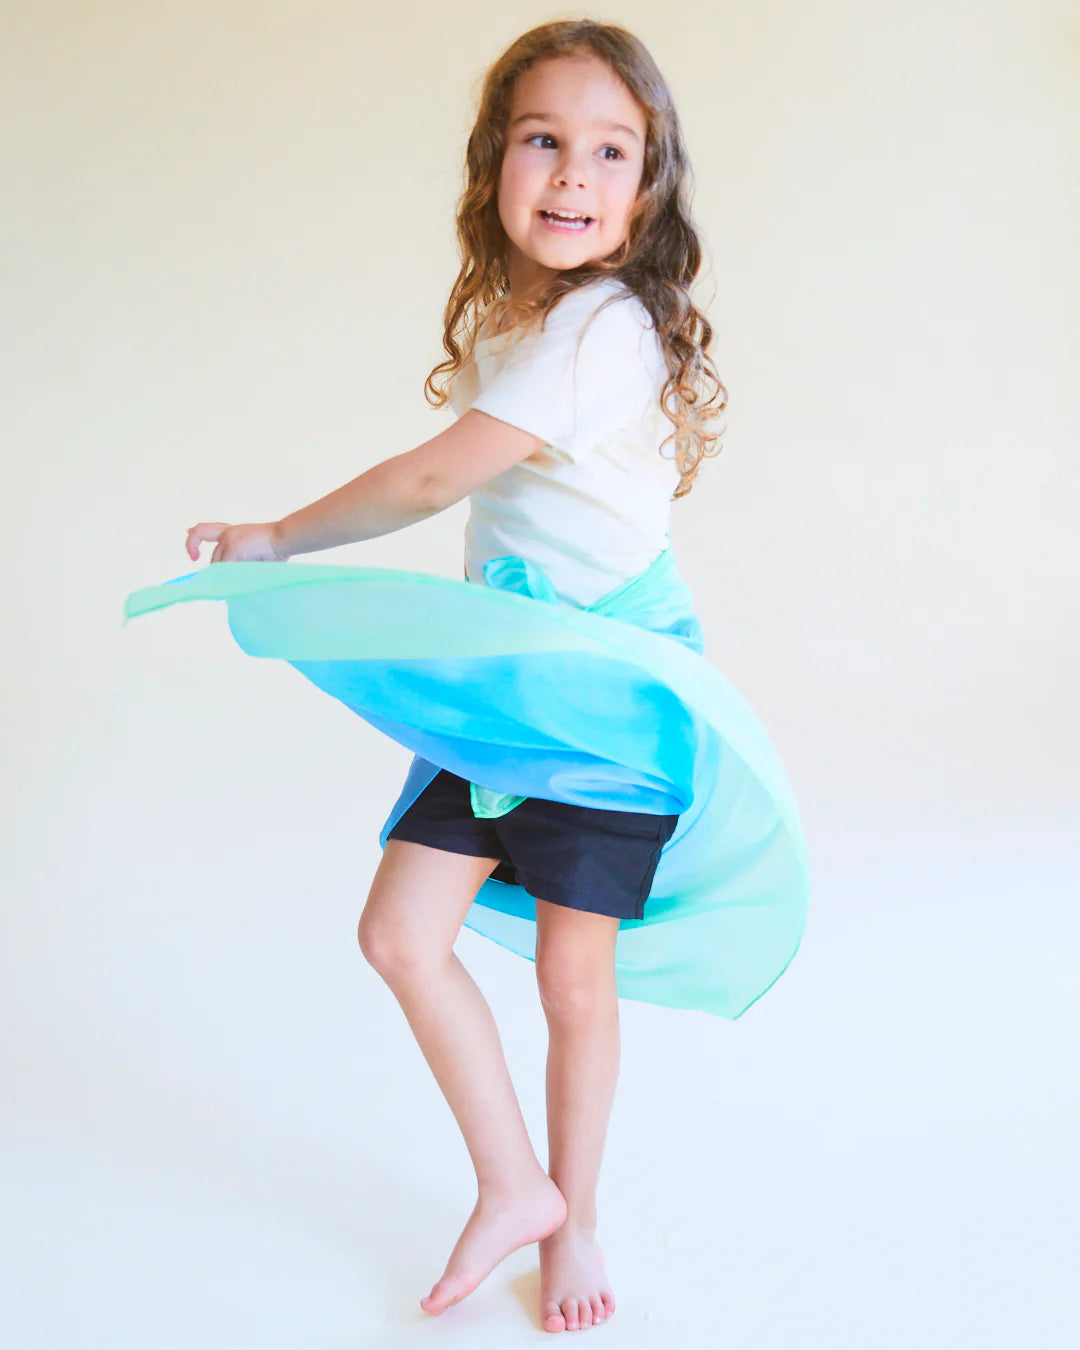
[543, 135]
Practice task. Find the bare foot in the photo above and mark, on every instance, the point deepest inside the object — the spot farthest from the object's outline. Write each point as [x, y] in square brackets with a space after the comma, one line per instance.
[574, 1290]
[496, 1227]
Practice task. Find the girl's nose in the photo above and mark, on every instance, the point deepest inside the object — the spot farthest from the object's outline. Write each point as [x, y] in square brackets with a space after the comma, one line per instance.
[571, 172]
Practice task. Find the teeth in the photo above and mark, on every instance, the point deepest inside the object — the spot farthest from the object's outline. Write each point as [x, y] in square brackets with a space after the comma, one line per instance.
[573, 222]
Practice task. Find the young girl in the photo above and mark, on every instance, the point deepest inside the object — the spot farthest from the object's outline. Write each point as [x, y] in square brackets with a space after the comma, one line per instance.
[586, 789]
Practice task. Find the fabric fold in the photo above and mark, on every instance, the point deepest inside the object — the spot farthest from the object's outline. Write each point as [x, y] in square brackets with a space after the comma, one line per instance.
[525, 695]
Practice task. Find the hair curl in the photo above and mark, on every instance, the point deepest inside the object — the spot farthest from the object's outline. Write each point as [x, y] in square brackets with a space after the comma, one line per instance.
[658, 259]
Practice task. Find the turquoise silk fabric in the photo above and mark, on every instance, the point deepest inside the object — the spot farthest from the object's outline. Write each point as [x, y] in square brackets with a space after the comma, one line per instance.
[525, 695]
[643, 599]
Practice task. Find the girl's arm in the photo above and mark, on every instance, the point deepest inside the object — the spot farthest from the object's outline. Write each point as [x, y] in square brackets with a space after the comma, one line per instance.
[409, 487]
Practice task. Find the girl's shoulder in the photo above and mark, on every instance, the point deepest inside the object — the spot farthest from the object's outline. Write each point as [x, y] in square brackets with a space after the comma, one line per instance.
[604, 333]
[611, 321]
[601, 296]
[576, 309]
[609, 325]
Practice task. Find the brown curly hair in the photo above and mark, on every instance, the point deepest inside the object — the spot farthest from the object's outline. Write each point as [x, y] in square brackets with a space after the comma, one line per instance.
[657, 261]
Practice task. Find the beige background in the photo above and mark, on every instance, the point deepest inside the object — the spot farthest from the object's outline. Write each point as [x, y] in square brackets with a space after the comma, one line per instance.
[226, 244]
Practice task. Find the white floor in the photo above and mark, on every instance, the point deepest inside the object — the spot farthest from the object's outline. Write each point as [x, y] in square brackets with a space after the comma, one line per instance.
[234, 1141]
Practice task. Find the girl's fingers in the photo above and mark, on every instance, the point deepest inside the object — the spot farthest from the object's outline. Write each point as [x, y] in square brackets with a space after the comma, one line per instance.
[207, 531]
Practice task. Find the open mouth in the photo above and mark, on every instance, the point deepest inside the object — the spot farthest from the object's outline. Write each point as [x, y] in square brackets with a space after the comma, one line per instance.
[567, 224]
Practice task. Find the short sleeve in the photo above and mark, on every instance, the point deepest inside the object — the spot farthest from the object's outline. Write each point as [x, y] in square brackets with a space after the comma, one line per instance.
[586, 374]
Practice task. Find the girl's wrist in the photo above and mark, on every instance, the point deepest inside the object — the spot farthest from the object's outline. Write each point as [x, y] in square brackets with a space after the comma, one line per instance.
[277, 539]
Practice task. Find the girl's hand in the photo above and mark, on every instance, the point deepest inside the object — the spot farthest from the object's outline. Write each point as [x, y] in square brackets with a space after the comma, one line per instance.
[235, 543]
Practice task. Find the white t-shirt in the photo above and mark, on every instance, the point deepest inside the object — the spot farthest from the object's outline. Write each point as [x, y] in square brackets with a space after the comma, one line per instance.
[591, 506]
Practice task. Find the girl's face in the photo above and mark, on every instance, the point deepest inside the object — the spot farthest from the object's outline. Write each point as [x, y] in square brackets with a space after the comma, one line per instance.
[574, 142]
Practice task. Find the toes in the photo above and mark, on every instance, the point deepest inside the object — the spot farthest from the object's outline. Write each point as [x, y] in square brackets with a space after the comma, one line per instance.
[444, 1295]
[554, 1316]
[575, 1314]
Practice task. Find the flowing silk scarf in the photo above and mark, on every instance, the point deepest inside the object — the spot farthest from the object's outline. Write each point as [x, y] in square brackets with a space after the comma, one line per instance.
[525, 695]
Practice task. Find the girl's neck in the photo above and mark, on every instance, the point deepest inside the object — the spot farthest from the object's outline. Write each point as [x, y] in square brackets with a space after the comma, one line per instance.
[526, 276]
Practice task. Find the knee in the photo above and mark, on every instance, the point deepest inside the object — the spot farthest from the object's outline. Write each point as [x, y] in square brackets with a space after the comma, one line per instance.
[571, 994]
[390, 949]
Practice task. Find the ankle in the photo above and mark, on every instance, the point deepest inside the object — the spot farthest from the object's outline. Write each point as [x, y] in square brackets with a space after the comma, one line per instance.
[509, 1185]
[581, 1221]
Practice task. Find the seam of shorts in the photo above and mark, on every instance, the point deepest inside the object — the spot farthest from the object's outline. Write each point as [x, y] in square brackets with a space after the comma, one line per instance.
[449, 843]
[647, 879]
[559, 895]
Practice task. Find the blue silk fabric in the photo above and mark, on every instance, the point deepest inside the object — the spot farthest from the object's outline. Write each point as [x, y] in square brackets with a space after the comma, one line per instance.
[525, 695]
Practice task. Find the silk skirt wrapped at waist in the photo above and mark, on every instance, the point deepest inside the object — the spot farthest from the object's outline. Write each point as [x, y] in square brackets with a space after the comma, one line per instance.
[525, 695]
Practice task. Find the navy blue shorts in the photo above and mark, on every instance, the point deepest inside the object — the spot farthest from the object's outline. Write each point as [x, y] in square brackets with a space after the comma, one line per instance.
[585, 857]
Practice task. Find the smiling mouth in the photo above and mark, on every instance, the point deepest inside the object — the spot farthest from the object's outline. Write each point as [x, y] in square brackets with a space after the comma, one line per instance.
[562, 223]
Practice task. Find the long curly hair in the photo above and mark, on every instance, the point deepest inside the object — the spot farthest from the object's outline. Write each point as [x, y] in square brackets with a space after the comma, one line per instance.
[657, 261]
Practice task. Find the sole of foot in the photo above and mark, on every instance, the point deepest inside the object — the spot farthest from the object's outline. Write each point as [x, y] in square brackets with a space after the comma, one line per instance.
[496, 1227]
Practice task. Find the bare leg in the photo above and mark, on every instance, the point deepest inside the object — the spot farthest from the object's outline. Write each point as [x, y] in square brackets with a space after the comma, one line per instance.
[418, 901]
[575, 969]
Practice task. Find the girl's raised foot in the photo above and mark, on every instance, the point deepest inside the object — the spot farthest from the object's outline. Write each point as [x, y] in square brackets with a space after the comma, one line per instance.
[574, 1291]
[499, 1224]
